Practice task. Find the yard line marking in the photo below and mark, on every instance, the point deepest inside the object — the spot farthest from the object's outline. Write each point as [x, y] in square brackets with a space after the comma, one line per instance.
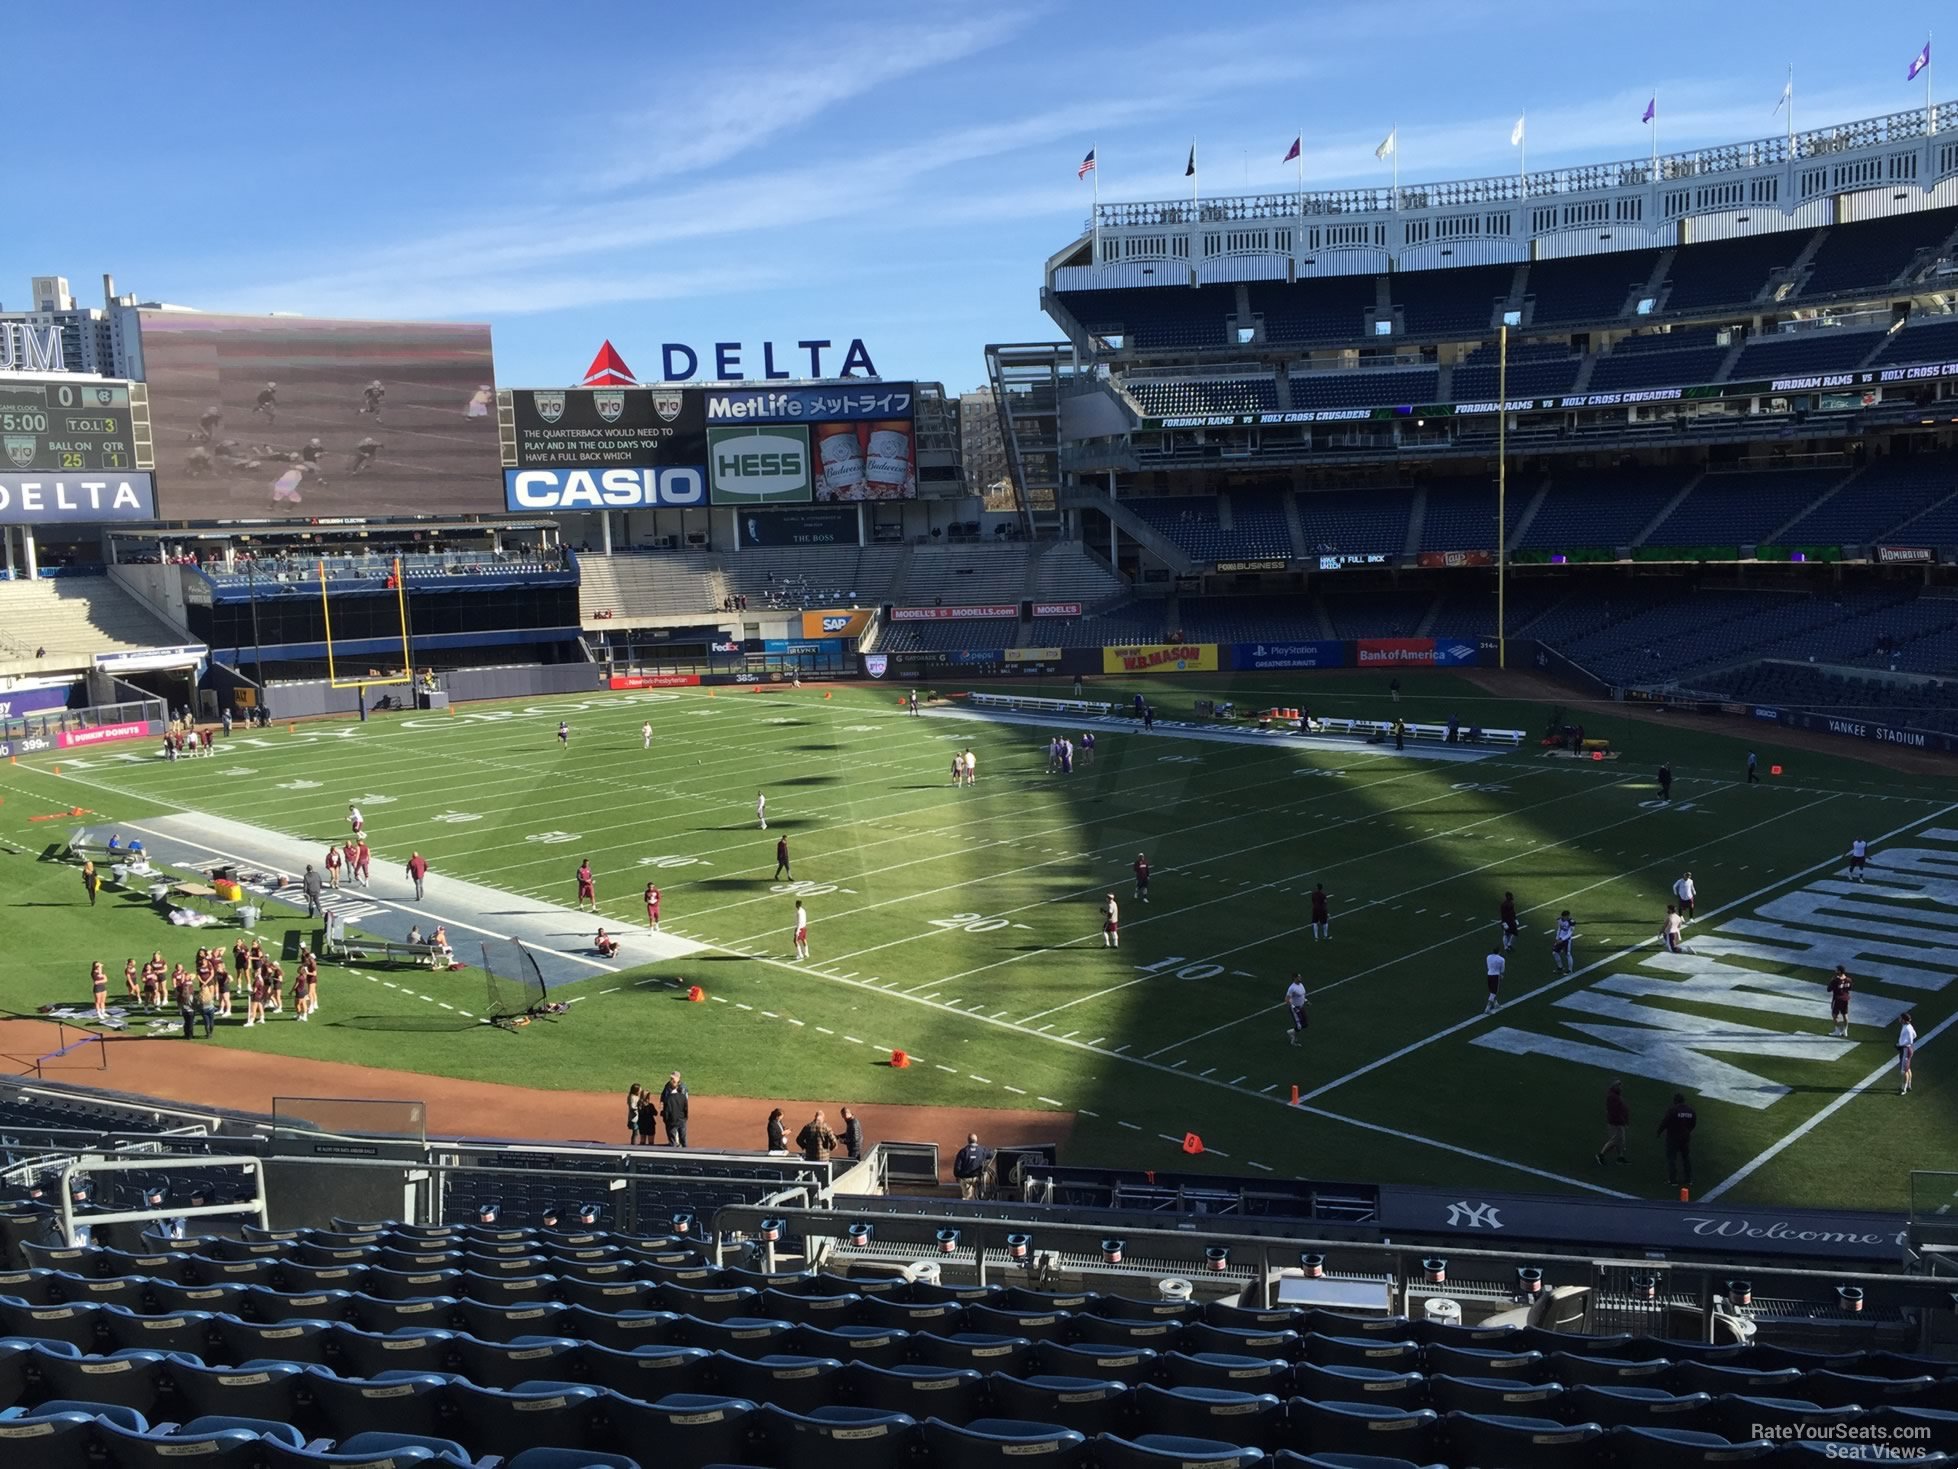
[769, 1013]
[1168, 1139]
[852, 1040]
[1084, 1111]
[982, 1080]
[794, 1021]
[1206, 1071]
[1218, 1152]
[1129, 1125]
[1254, 1163]
[718, 1000]
[1272, 1088]
[1048, 1100]
[1235, 1080]
[1018, 1092]
[1768, 1154]
[943, 1067]
[613, 990]
[825, 1030]
[739, 1006]
[1446, 1031]
[1096, 1041]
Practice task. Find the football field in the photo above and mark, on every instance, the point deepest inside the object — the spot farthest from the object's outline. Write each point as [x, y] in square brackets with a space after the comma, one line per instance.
[963, 925]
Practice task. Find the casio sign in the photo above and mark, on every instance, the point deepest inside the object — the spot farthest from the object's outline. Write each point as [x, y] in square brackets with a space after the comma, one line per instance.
[603, 489]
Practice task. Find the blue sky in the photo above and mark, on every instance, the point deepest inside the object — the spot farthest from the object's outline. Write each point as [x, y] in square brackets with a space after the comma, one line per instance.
[773, 171]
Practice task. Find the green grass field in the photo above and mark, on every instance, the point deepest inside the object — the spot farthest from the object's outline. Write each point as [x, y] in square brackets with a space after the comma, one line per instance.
[963, 926]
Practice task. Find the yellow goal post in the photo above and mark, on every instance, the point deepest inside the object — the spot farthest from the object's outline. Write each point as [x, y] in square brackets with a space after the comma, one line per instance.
[407, 670]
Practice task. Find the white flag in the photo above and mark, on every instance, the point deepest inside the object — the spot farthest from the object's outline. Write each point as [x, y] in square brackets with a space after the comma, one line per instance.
[1386, 147]
[1787, 96]
[1516, 133]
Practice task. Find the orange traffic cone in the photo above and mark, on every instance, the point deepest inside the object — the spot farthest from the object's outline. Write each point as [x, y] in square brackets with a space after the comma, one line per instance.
[1685, 1196]
[696, 994]
[1192, 1144]
[900, 1060]
[1295, 1094]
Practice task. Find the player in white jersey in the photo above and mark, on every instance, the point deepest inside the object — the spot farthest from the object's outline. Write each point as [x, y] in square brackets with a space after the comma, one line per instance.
[801, 930]
[1672, 930]
[1859, 853]
[1296, 1003]
[1564, 946]
[971, 768]
[761, 810]
[1686, 894]
[1111, 923]
[646, 735]
[958, 768]
[1494, 964]
[1906, 1049]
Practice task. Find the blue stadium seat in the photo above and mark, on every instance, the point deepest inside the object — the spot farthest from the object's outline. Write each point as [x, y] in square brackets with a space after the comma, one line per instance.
[513, 1289]
[388, 1455]
[1719, 1379]
[1110, 1364]
[1350, 1351]
[166, 1296]
[506, 1321]
[1450, 1394]
[1740, 1415]
[14, 1362]
[838, 1438]
[708, 1305]
[684, 1430]
[947, 1318]
[649, 1373]
[873, 1344]
[1771, 1354]
[1085, 1404]
[1362, 1428]
[1287, 1459]
[1034, 1325]
[1843, 1389]
[263, 1390]
[1670, 1448]
[1523, 1443]
[570, 1459]
[411, 1285]
[356, 1353]
[1144, 1308]
[121, 1414]
[375, 1313]
[505, 1364]
[955, 1394]
[1482, 1338]
[1120, 1331]
[746, 1335]
[214, 1443]
[1634, 1407]
[1543, 1339]
[1251, 1318]
[272, 1306]
[1001, 1442]
[1157, 1451]
[1227, 1370]
[32, 1287]
[622, 1330]
[625, 1293]
[127, 1291]
[490, 1421]
[47, 1441]
[1473, 1362]
[1804, 1454]
[1573, 1369]
[1935, 1428]
[1370, 1385]
[812, 1310]
[1243, 1341]
[184, 1331]
[79, 1326]
[410, 1403]
[1209, 1412]
[800, 1384]
[202, 1269]
[1019, 1298]
[130, 1379]
[294, 1340]
[41, 1256]
[1336, 1323]
[981, 1353]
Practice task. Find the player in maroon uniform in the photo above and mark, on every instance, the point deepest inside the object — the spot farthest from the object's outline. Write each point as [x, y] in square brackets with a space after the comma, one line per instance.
[1142, 876]
[652, 907]
[587, 886]
[1322, 923]
[1840, 985]
[1507, 915]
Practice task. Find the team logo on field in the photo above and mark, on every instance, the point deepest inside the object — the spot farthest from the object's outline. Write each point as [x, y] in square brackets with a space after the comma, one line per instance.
[20, 450]
[667, 406]
[610, 404]
[550, 406]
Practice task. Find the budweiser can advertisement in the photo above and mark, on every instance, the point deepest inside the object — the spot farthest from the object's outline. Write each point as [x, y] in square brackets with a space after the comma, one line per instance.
[890, 468]
[840, 453]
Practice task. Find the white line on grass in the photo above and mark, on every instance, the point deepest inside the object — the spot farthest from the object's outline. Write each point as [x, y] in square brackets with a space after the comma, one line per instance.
[1543, 989]
[1888, 1068]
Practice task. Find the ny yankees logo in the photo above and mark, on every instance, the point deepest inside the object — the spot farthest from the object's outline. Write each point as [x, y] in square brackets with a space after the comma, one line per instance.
[1464, 1215]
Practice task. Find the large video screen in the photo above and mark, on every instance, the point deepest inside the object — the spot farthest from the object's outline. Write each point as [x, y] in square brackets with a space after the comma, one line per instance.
[290, 418]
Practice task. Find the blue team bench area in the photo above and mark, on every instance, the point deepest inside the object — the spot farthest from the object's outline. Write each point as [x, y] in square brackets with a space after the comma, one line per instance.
[384, 1345]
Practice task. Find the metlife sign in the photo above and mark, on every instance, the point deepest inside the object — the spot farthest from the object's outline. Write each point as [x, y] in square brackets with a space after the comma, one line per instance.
[759, 466]
[677, 487]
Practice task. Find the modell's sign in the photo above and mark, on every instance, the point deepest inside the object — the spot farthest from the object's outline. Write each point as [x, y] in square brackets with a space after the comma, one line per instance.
[953, 614]
[1904, 555]
[1056, 609]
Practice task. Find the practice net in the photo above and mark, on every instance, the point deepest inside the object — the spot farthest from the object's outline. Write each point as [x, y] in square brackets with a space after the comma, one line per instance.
[516, 984]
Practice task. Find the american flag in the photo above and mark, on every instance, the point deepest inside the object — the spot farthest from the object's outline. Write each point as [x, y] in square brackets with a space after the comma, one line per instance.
[1087, 165]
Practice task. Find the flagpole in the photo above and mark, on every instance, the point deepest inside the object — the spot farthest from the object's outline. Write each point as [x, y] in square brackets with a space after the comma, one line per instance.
[1791, 112]
[1655, 133]
[1301, 161]
[1193, 172]
[1930, 118]
[1502, 489]
[1523, 166]
[1096, 216]
[1396, 135]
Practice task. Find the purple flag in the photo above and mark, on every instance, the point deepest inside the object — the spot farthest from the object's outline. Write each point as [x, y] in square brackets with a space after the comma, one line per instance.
[1918, 63]
[1651, 110]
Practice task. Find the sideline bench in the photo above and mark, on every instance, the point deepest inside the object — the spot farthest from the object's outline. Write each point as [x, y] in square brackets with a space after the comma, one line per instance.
[335, 944]
[1027, 704]
[1432, 733]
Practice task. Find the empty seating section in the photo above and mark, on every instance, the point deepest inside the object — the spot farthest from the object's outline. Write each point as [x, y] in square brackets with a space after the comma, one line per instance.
[666, 1361]
[1586, 288]
[1352, 521]
[1460, 516]
[1066, 571]
[1539, 377]
[1742, 507]
[1207, 395]
[1195, 524]
[1585, 508]
[1709, 630]
[1621, 370]
[1321, 309]
[664, 585]
[270, 575]
[1460, 302]
[1925, 339]
[1139, 623]
[1250, 620]
[975, 632]
[1376, 614]
[1883, 495]
[813, 576]
[1788, 353]
[1156, 318]
[1873, 253]
[961, 576]
[1379, 387]
[1728, 272]
[1917, 704]
[73, 618]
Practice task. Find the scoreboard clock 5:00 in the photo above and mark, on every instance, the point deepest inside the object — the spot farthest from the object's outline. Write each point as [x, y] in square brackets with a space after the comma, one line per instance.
[73, 425]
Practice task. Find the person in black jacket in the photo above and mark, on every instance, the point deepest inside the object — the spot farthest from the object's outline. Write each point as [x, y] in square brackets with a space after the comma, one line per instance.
[852, 1134]
[1677, 1125]
[816, 1140]
[778, 1132]
[648, 1118]
[969, 1166]
[673, 1107]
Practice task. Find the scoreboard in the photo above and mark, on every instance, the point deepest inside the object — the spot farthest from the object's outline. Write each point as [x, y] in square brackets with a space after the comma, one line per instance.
[69, 425]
